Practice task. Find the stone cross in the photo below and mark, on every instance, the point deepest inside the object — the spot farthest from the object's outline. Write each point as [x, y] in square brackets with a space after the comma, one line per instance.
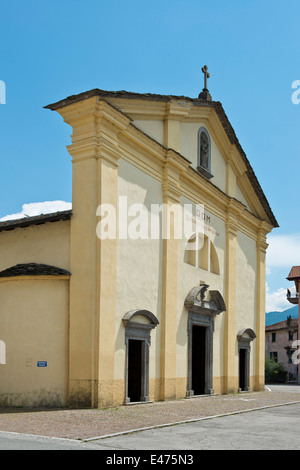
[206, 76]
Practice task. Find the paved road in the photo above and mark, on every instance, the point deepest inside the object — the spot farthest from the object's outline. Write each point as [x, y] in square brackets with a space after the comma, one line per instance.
[272, 428]
[268, 429]
[13, 441]
[288, 388]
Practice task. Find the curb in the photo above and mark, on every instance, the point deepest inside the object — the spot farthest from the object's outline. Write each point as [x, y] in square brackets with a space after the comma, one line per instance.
[157, 426]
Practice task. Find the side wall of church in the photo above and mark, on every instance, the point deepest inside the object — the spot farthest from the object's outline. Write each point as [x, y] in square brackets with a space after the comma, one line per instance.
[34, 323]
[34, 318]
[47, 243]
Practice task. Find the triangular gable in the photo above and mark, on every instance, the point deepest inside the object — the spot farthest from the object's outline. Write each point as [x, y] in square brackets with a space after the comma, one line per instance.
[135, 105]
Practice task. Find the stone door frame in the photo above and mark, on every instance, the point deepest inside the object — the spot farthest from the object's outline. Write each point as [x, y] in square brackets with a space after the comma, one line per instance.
[139, 331]
[202, 312]
[244, 338]
[198, 319]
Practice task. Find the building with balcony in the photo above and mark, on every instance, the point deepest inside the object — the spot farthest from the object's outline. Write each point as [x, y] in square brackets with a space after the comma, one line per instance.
[281, 347]
[293, 298]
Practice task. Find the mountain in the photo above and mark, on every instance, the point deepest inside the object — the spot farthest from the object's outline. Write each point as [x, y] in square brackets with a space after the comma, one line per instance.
[276, 317]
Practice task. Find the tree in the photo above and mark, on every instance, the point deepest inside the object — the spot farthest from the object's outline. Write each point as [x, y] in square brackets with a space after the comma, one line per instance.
[274, 372]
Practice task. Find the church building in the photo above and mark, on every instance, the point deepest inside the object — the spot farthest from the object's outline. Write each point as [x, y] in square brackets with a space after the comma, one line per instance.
[153, 286]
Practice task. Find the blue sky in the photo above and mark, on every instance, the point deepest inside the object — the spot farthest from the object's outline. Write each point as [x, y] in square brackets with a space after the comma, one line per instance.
[52, 49]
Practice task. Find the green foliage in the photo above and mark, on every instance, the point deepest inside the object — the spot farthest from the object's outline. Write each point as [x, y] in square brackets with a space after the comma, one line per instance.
[274, 372]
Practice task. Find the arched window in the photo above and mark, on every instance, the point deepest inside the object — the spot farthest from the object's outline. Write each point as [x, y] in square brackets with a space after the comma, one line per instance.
[201, 253]
[204, 153]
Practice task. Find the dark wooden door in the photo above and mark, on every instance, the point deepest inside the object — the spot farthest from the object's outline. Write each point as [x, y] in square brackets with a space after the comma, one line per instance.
[134, 370]
[198, 359]
[242, 369]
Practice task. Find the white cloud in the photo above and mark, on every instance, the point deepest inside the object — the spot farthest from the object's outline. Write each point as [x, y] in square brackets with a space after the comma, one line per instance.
[283, 251]
[38, 208]
[276, 301]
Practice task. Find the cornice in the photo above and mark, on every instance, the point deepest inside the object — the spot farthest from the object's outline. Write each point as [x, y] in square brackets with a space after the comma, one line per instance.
[139, 109]
[141, 139]
[196, 188]
[234, 159]
[262, 233]
[200, 191]
[174, 168]
[113, 115]
[232, 216]
[251, 197]
[198, 114]
[219, 136]
[94, 112]
[171, 191]
[177, 110]
[262, 246]
[177, 161]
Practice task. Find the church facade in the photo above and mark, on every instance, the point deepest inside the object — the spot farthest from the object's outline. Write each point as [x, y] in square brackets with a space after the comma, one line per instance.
[153, 286]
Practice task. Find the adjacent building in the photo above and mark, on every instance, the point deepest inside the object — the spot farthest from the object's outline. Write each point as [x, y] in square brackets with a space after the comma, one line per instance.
[293, 298]
[281, 346]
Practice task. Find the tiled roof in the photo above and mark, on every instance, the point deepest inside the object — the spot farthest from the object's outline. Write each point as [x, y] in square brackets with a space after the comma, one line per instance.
[35, 220]
[282, 325]
[294, 273]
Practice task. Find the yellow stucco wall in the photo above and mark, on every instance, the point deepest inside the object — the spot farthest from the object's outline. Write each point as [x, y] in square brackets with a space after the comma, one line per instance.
[153, 128]
[139, 264]
[48, 243]
[34, 326]
[246, 290]
[139, 271]
[190, 276]
[34, 317]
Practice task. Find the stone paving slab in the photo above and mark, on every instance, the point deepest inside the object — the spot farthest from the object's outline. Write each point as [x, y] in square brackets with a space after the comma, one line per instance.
[86, 423]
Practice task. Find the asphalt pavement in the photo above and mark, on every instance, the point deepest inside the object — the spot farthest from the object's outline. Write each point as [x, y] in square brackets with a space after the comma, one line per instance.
[276, 428]
[271, 428]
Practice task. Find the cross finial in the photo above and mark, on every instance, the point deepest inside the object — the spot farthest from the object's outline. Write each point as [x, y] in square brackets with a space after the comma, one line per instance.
[206, 76]
[204, 95]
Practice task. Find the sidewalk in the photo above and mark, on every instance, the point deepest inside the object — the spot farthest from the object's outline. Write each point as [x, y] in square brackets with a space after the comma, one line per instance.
[86, 423]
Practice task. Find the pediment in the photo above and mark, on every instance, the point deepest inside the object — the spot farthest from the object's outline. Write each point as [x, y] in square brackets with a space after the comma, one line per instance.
[246, 334]
[200, 300]
[178, 115]
[140, 317]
